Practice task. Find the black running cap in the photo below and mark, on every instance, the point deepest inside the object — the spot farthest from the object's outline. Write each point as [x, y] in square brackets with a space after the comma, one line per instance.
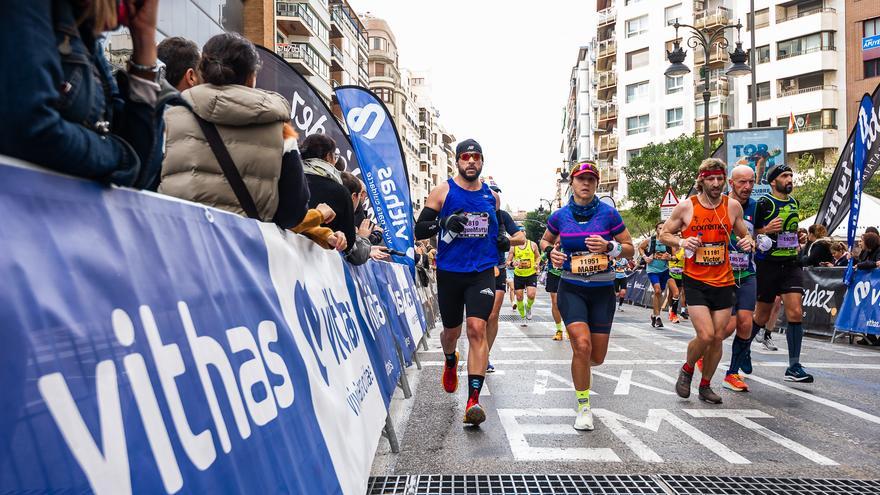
[777, 170]
[466, 146]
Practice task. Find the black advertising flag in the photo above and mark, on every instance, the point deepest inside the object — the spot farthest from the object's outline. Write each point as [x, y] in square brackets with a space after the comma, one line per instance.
[835, 205]
[309, 113]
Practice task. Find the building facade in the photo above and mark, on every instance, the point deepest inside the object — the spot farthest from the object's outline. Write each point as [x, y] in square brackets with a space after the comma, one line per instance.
[349, 49]
[862, 32]
[577, 125]
[800, 68]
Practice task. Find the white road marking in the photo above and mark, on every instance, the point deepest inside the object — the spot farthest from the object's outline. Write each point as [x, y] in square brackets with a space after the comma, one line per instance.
[643, 362]
[612, 347]
[520, 344]
[623, 382]
[662, 376]
[630, 382]
[516, 436]
[652, 423]
[819, 400]
[542, 378]
[741, 417]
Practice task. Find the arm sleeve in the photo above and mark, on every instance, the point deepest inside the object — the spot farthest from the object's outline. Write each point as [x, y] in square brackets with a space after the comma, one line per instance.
[426, 225]
[293, 192]
[509, 225]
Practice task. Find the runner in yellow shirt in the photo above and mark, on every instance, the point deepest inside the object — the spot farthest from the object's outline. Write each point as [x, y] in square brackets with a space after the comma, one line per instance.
[525, 277]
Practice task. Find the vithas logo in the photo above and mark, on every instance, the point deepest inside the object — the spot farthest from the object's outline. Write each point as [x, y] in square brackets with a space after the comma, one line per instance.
[358, 118]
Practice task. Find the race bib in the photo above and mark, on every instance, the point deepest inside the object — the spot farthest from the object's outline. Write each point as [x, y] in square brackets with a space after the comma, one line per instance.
[586, 263]
[787, 240]
[710, 254]
[739, 261]
[525, 264]
[477, 226]
[675, 270]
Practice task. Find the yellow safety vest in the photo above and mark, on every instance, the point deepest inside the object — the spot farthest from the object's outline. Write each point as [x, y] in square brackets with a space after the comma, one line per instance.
[526, 258]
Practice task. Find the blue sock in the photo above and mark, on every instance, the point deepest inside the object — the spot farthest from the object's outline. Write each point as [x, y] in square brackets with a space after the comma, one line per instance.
[475, 384]
[794, 336]
[740, 346]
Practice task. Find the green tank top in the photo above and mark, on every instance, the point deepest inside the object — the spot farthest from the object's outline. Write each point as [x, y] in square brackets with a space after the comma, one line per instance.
[526, 258]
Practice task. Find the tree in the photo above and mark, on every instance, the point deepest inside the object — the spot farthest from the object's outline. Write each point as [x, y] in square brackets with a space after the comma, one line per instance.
[658, 166]
[637, 225]
[535, 224]
[812, 181]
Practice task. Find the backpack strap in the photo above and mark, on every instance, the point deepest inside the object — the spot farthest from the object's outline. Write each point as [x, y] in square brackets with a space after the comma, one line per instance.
[233, 176]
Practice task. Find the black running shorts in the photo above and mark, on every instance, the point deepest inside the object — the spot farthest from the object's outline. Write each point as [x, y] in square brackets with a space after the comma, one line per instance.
[619, 284]
[457, 292]
[552, 284]
[703, 294]
[520, 283]
[501, 279]
[594, 306]
[776, 278]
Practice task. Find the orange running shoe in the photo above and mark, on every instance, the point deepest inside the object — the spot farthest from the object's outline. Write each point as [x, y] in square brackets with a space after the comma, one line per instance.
[450, 376]
[700, 364]
[673, 318]
[735, 383]
[474, 413]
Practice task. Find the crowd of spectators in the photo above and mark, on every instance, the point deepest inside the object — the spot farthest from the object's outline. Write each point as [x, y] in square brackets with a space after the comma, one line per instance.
[183, 122]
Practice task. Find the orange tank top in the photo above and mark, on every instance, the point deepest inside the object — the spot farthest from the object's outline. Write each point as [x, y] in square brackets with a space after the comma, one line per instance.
[710, 264]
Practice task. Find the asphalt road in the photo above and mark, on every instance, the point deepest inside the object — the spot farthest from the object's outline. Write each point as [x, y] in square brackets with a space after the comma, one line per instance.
[830, 428]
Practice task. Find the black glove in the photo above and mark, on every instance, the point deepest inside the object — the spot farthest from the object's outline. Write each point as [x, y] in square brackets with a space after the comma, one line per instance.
[454, 223]
[503, 243]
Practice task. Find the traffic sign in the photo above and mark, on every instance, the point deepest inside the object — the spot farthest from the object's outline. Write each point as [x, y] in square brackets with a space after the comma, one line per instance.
[670, 200]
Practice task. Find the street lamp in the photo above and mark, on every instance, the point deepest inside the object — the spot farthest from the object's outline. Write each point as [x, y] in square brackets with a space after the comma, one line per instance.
[706, 39]
[541, 202]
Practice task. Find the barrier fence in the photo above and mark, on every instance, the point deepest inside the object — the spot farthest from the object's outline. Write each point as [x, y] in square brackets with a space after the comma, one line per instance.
[154, 345]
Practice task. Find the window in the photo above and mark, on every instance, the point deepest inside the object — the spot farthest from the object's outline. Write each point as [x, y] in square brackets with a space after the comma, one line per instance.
[632, 2]
[673, 14]
[811, 121]
[674, 117]
[636, 59]
[761, 123]
[763, 91]
[805, 44]
[637, 26]
[716, 107]
[386, 94]
[674, 84]
[872, 68]
[380, 69]
[630, 154]
[637, 125]
[799, 9]
[636, 91]
[762, 55]
[762, 18]
[871, 27]
[377, 43]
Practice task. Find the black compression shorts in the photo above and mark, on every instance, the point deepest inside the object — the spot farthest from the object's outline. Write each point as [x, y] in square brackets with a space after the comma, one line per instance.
[552, 284]
[501, 279]
[457, 292]
[703, 294]
[776, 278]
[591, 305]
[520, 283]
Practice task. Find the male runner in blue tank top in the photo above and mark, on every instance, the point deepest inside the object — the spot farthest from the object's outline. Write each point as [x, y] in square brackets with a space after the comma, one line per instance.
[463, 212]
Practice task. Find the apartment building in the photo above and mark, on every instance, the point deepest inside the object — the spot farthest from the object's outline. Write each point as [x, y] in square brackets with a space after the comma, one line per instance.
[862, 35]
[436, 145]
[349, 49]
[800, 71]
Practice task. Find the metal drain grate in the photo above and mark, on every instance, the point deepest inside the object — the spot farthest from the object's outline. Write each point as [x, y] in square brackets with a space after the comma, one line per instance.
[559, 484]
[723, 485]
[515, 484]
[516, 319]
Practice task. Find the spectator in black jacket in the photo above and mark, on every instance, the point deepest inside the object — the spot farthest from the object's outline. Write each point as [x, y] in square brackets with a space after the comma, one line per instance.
[869, 258]
[818, 248]
[319, 153]
[838, 251]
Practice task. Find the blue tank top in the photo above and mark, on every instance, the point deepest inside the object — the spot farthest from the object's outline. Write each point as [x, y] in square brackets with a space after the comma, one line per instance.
[475, 249]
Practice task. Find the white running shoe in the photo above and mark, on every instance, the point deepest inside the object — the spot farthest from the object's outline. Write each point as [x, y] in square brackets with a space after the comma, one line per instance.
[528, 313]
[767, 342]
[584, 419]
[522, 321]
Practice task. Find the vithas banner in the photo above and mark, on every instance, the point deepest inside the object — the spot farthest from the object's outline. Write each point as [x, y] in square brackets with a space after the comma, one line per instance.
[836, 203]
[383, 167]
[308, 112]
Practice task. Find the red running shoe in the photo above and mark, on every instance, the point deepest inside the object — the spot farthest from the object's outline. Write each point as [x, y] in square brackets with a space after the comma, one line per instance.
[450, 376]
[474, 413]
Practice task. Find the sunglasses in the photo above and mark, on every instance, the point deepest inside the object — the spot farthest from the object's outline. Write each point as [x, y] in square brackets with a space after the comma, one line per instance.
[471, 156]
[586, 166]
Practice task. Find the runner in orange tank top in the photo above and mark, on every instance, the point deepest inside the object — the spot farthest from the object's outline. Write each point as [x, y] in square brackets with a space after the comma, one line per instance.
[702, 227]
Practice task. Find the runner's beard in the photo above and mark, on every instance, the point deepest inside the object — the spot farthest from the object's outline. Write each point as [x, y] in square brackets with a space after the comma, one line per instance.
[463, 172]
[712, 193]
[784, 189]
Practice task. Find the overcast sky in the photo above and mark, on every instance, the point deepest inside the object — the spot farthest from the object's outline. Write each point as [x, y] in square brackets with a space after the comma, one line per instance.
[500, 73]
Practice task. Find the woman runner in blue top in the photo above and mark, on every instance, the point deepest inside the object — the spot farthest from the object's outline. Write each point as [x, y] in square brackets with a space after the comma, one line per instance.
[583, 239]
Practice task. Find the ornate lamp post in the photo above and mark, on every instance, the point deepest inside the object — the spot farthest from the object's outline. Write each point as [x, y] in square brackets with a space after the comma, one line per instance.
[707, 39]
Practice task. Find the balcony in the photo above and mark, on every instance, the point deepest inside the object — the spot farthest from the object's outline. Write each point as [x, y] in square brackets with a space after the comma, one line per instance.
[812, 138]
[607, 111]
[712, 18]
[606, 16]
[297, 19]
[716, 55]
[607, 143]
[607, 48]
[608, 172]
[335, 58]
[717, 124]
[303, 57]
[718, 86]
[606, 80]
[799, 15]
